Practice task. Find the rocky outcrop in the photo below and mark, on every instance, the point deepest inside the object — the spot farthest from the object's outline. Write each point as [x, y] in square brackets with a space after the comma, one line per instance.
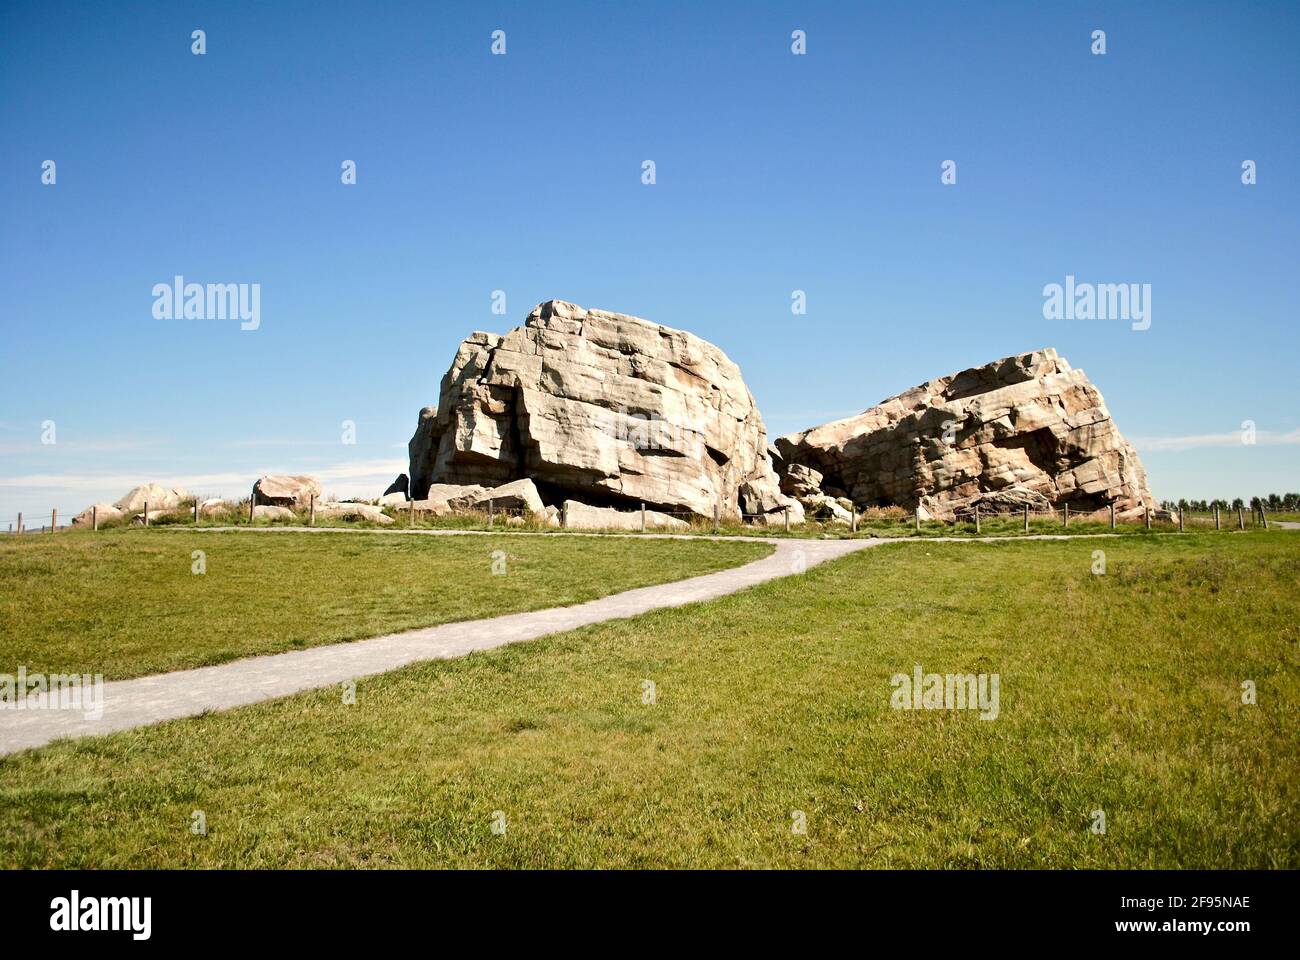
[276, 490]
[401, 485]
[601, 407]
[1027, 429]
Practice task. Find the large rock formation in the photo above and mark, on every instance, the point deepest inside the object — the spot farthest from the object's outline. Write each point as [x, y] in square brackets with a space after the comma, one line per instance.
[1027, 429]
[601, 407]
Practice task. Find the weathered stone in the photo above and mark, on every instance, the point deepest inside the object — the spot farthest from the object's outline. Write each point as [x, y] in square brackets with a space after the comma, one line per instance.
[516, 495]
[104, 511]
[442, 499]
[606, 407]
[264, 511]
[580, 516]
[1030, 424]
[801, 481]
[1012, 500]
[283, 491]
[822, 507]
[156, 496]
[353, 511]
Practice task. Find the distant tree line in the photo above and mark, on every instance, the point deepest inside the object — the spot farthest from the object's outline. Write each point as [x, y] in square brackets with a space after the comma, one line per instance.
[1274, 502]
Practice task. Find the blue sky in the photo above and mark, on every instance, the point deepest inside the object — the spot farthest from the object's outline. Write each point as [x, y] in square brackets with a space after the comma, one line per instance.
[522, 173]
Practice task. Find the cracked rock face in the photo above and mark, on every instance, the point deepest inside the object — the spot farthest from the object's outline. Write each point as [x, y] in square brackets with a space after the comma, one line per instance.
[605, 408]
[1028, 429]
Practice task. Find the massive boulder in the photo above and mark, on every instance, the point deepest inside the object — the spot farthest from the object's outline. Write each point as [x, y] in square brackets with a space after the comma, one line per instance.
[1027, 429]
[600, 407]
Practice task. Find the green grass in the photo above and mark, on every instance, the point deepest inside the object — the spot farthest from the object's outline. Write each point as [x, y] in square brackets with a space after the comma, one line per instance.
[1118, 692]
[126, 602]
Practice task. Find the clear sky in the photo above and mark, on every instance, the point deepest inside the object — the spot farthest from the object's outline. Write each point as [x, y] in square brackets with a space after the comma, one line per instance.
[775, 172]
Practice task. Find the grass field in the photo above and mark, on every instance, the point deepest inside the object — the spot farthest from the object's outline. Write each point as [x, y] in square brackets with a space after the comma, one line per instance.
[1120, 692]
[126, 602]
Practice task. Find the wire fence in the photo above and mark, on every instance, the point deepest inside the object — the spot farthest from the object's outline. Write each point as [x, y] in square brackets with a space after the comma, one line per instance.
[645, 518]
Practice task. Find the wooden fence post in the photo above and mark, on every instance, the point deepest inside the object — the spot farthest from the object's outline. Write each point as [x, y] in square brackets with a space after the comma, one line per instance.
[564, 515]
[54, 520]
[1026, 518]
[1180, 519]
[1112, 516]
[20, 523]
[311, 511]
[1065, 517]
[146, 513]
[1262, 515]
[643, 516]
[252, 502]
[94, 518]
[1148, 516]
[491, 512]
[410, 520]
[1241, 518]
[917, 514]
[1217, 524]
[854, 525]
[717, 516]
[977, 518]
[787, 518]
[196, 511]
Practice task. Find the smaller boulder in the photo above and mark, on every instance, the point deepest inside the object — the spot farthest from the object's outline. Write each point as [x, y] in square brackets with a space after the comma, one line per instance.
[1012, 500]
[516, 495]
[271, 512]
[105, 511]
[354, 511]
[278, 490]
[580, 516]
[163, 498]
[800, 481]
[442, 498]
[822, 507]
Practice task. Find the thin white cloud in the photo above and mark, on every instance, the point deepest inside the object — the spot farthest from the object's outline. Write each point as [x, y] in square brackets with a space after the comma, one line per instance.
[1263, 438]
[359, 471]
